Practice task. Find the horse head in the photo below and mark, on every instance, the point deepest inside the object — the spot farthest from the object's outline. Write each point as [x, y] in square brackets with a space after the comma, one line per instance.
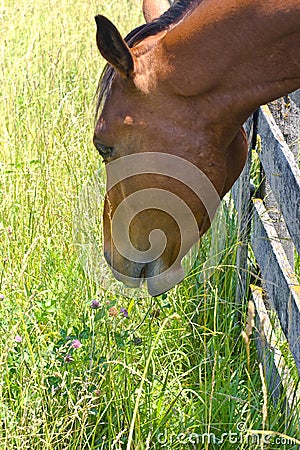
[168, 161]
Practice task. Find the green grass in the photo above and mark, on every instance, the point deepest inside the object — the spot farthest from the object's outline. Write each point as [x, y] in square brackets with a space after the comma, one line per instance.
[176, 368]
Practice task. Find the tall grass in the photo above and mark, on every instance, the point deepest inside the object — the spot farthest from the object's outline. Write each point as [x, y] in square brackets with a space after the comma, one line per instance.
[175, 373]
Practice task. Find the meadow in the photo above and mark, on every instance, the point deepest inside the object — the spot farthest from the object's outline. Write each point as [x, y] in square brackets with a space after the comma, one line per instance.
[82, 367]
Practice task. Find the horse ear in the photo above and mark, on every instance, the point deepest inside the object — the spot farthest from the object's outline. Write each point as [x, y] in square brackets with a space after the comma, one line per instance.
[112, 47]
[152, 9]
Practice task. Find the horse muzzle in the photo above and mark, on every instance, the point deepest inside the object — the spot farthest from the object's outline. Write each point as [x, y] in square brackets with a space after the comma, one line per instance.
[157, 275]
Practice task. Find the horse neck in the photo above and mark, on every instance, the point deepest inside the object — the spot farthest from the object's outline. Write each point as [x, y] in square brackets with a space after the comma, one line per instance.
[239, 53]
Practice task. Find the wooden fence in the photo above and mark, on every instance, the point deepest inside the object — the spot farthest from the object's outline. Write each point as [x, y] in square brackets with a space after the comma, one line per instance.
[274, 287]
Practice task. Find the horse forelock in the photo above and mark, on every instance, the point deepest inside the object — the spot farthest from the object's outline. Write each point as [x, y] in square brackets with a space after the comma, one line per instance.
[171, 17]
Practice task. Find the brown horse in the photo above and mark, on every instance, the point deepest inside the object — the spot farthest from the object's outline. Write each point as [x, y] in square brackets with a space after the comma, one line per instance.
[172, 103]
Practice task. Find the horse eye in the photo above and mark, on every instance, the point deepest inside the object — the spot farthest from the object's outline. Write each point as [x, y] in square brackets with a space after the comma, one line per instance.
[104, 150]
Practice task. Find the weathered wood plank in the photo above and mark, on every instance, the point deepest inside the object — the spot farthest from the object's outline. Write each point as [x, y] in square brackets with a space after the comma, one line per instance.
[279, 279]
[282, 172]
[243, 182]
[295, 96]
[242, 199]
[279, 379]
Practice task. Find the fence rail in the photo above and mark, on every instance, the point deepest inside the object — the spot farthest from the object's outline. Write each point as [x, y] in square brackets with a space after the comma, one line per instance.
[257, 230]
[282, 172]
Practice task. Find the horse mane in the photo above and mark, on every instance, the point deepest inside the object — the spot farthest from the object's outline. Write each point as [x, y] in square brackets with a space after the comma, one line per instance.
[168, 19]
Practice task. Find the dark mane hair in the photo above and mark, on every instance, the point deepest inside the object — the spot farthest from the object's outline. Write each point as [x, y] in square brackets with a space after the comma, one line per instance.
[172, 16]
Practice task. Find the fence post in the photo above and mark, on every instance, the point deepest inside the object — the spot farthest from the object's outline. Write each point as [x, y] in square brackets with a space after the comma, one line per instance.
[242, 194]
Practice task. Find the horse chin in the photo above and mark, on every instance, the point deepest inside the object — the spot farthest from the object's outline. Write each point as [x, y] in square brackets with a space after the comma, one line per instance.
[131, 282]
[165, 281]
[158, 280]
